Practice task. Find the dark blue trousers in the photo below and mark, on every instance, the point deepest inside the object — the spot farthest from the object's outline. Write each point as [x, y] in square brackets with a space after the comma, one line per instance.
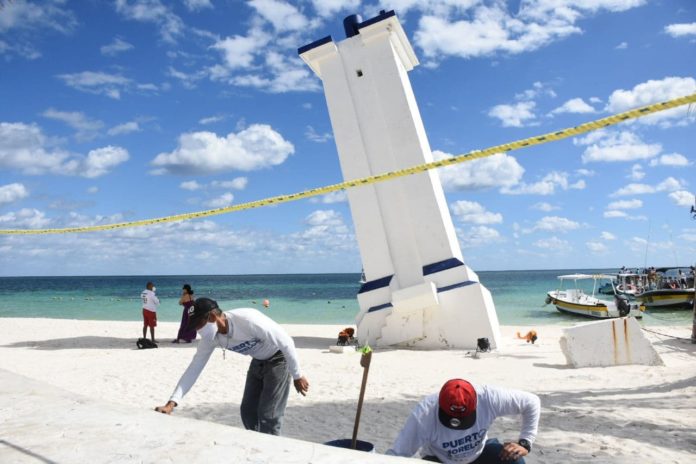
[490, 455]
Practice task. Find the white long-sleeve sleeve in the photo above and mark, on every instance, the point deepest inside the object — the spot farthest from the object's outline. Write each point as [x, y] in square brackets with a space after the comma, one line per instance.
[194, 369]
[507, 402]
[412, 435]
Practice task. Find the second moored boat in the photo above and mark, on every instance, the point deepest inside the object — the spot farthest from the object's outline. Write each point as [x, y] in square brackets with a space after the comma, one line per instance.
[575, 300]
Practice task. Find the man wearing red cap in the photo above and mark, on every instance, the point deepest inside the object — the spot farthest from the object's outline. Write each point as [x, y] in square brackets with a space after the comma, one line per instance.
[452, 426]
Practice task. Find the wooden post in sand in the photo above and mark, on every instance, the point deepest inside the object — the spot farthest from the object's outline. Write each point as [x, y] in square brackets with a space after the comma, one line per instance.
[365, 363]
[693, 322]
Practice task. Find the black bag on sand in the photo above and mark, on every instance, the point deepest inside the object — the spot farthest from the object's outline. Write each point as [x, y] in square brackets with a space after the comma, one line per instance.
[145, 343]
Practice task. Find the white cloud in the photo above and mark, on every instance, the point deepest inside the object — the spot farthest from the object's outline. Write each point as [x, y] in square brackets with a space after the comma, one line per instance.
[543, 206]
[682, 198]
[196, 5]
[86, 128]
[312, 135]
[499, 170]
[282, 15]
[239, 51]
[688, 235]
[670, 184]
[608, 236]
[576, 105]
[210, 120]
[478, 236]
[238, 183]
[25, 218]
[622, 46]
[99, 161]
[114, 48]
[554, 224]
[596, 247]
[538, 89]
[609, 146]
[30, 15]
[338, 196]
[546, 186]
[585, 172]
[474, 213]
[515, 115]
[552, 243]
[625, 204]
[26, 22]
[326, 8]
[98, 83]
[615, 213]
[153, 11]
[190, 185]
[12, 192]
[637, 172]
[470, 28]
[673, 159]
[654, 91]
[26, 149]
[256, 147]
[222, 201]
[125, 128]
[92, 190]
[681, 30]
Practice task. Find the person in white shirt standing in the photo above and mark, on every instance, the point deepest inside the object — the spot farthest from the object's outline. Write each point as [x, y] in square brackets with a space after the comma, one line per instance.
[452, 426]
[150, 304]
[248, 332]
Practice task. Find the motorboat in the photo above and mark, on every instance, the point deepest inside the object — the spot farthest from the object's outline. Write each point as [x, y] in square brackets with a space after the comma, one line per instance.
[631, 284]
[669, 289]
[573, 296]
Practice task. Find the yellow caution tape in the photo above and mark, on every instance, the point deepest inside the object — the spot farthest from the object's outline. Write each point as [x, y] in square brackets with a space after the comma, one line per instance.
[472, 155]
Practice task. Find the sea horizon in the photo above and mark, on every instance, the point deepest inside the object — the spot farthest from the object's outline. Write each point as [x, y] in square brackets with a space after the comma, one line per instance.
[302, 298]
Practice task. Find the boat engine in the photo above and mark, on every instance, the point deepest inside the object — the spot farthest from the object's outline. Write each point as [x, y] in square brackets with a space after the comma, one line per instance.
[623, 305]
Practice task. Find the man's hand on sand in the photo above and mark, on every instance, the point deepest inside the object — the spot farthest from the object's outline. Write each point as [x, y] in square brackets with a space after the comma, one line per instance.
[167, 408]
[512, 452]
[301, 385]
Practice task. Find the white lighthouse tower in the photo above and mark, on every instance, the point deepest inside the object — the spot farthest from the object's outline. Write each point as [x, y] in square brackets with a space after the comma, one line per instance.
[418, 292]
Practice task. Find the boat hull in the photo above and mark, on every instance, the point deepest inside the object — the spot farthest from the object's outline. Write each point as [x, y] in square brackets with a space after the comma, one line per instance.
[595, 311]
[667, 298]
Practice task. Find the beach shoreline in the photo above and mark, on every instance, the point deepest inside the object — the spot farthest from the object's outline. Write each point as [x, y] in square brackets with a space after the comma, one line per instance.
[618, 414]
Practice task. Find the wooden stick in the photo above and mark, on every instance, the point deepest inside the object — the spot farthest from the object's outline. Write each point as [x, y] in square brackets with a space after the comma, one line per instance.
[365, 363]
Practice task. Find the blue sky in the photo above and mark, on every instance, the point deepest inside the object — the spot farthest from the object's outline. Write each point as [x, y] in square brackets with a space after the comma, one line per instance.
[125, 110]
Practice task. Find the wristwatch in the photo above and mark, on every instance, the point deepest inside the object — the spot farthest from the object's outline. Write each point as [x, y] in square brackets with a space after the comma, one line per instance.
[524, 443]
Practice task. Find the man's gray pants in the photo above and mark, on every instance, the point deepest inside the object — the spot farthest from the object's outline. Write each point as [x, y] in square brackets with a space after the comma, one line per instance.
[266, 394]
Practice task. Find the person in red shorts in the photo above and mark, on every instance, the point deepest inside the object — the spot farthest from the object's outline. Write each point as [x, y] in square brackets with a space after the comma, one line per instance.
[150, 304]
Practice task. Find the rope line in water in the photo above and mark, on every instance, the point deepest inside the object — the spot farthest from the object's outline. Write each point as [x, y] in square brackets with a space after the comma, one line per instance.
[472, 155]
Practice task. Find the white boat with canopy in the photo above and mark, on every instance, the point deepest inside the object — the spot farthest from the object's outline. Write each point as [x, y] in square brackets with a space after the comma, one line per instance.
[575, 295]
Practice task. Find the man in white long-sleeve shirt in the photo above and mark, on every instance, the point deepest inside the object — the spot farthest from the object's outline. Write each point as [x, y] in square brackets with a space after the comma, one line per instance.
[452, 426]
[245, 331]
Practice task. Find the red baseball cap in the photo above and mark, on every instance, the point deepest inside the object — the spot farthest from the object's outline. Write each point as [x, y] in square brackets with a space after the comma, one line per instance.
[457, 404]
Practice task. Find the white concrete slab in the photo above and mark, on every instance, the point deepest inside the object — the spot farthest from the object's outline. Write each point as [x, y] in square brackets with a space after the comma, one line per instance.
[40, 423]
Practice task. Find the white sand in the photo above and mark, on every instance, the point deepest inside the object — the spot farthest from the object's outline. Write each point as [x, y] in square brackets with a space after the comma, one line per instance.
[620, 414]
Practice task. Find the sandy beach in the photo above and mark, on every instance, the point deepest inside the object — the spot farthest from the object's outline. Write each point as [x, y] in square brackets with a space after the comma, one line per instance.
[619, 414]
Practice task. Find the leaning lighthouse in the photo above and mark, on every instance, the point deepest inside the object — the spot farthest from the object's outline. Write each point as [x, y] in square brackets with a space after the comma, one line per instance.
[418, 291]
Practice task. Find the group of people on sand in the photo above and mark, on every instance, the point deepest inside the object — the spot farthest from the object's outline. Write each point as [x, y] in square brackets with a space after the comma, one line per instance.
[150, 305]
[450, 426]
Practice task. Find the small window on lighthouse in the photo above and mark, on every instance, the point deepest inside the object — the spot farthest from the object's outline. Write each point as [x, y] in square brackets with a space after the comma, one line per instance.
[359, 72]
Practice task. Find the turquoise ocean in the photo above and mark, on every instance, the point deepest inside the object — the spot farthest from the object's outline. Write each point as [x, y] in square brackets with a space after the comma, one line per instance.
[294, 298]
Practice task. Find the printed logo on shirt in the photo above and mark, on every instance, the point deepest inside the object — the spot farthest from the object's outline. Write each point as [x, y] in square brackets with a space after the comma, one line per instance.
[465, 445]
[244, 347]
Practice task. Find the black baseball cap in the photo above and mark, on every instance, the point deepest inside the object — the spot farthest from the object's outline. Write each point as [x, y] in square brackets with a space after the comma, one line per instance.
[199, 311]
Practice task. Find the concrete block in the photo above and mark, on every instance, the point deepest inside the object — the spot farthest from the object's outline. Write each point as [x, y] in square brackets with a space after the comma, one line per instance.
[610, 342]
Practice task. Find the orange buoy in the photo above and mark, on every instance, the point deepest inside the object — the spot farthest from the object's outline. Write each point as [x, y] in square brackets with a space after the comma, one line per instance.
[266, 303]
